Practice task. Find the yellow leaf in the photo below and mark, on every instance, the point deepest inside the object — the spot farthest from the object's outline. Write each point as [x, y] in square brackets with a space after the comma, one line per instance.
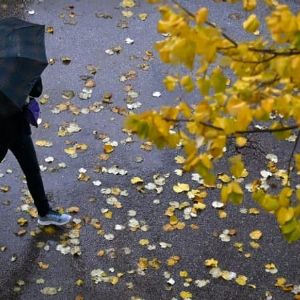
[284, 215]
[218, 80]
[108, 148]
[81, 147]
[114, 280]
[173, 260]
[187, 83]
[284, 196]
[128, 3]
[43, 143]
[241, 280]
[127, 13]
[5, 188]
[201, 15]
[224, 178]
[255, 235]
[154, 263]
[108, 214]
[186, 295]
[73, 209]
[43, 265]
[179, 159]
[254, 245]
[180, 225]
[227, 275]
[251, 24]
[170, 83]
[22, 221]
[271, 267]
[144, 242]
[280, 282]
[79, 282]
[173, 220]
[181, 187]
[136, 180]
[232, 192]
[204, 85]
[143, 16]
[183, 274]
[211, 262]
[222, 214]
[70, 151]
[241, 141]
[185, 109]
[237, 166]
[143, 263]
[199, 205]
[249, 4]
[297, 161]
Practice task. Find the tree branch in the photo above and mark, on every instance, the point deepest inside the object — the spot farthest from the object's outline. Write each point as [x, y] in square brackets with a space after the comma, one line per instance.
[256, 130]
[274, 52]
[256, 62]
[292, 154]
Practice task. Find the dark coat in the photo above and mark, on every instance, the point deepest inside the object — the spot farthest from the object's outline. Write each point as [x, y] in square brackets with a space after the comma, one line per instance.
[16, 125]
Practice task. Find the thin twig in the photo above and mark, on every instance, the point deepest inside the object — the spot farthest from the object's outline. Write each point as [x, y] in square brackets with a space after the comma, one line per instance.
[255, 62]
[277, 53]
[292, 154]
[266, 130]
[232, 41]
[207, 22]
[267, 83]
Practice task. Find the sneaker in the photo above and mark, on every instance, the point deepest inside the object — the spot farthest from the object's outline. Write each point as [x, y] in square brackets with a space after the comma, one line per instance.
[54, 218]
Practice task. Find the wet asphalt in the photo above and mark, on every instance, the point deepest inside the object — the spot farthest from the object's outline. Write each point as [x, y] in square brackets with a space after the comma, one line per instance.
[83, 36]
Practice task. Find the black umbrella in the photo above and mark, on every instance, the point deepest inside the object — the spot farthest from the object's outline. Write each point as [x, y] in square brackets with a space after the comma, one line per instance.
[22, 61]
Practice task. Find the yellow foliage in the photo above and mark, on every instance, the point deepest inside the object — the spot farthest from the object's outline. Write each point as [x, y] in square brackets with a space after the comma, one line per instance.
[170, 83]
[251, 24]
[187, 83]
[284, 215]
[249, 4]
[263, 93]
[237, 166]
[232, 192]
[201, 15]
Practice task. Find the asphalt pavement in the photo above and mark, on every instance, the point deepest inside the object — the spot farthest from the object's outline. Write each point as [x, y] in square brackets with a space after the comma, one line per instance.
[103, 65]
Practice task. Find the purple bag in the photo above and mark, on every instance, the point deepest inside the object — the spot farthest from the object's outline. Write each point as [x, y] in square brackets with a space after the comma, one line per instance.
[32, 112]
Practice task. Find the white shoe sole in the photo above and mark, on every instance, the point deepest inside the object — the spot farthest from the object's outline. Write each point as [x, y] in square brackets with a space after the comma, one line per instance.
[45, 223]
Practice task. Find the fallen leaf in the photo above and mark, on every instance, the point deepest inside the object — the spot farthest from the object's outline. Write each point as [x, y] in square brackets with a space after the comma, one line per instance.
[241, 280]
[136, 180]
[43, 265]
[181, 187]
[50, 291]
[255, 235]
[44, 143]
[186, 295]
[143, 16]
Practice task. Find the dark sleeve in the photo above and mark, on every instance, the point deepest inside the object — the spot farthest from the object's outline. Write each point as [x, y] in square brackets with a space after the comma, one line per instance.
[37, 88]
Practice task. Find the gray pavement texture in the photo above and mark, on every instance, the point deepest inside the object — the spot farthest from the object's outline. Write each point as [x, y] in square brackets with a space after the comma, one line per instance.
[30, 261]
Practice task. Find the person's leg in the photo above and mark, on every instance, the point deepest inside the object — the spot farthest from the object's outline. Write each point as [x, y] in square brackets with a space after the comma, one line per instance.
[3, 151]
[24, 151]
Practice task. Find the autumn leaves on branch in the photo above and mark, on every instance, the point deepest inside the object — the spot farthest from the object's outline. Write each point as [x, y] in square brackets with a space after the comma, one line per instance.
[243, 87]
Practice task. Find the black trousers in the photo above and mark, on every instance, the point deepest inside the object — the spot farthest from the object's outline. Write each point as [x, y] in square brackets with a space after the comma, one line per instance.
[23, 150]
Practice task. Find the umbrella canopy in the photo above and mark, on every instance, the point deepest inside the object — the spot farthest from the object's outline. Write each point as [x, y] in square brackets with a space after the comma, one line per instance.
[22, 61]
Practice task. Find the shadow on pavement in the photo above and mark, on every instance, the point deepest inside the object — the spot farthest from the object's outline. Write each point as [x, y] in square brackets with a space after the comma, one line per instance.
[29, 257]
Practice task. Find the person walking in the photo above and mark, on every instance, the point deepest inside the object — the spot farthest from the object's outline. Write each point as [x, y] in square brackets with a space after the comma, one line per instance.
[15, 135]
[22, 61]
